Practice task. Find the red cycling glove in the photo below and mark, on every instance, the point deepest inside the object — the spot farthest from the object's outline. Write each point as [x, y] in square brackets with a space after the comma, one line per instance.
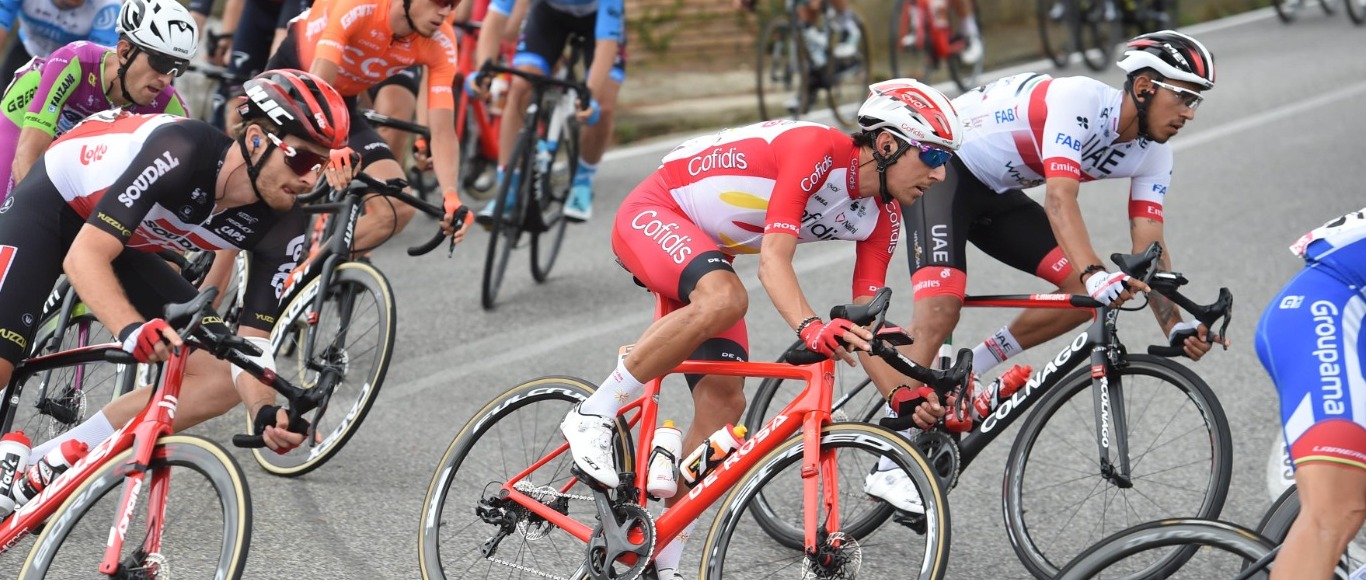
[140, 338]
[823, 337]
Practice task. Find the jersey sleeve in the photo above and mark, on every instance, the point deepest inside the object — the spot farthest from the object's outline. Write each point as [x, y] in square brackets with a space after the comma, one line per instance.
[343, 19]
[611, 21]
[1148, 188]
[102, 30]
[440, 62]
[874, 254]
[272, 259]
[61, 77]
[1064, 122]
[503, 7]
[164, 168]
[799, 154]
[175, 105]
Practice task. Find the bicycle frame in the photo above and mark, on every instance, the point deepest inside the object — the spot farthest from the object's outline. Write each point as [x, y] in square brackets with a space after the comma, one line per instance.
[140, 434]
[488, 124]
[929, 20]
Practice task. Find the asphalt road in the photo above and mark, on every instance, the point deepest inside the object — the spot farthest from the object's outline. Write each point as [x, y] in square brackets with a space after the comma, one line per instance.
[1275, 151]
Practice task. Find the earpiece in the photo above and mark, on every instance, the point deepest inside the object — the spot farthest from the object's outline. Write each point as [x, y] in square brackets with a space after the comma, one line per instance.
[255, 141]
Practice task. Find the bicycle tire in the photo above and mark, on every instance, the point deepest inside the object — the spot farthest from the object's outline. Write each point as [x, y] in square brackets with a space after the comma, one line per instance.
[1027, 453]
[52, 402]
[555, 185]
[1099, 28]
[1287, 10]
[1275, 525]
[775, 68]
[516, 429]
[900, 548]
[1356, 10]
[1052, 21]
[1240, 544]
[848, 79]
[905, 50]
[1329, 7]
[335, 341]
[507, 223]
[967, 77]
[86, 542]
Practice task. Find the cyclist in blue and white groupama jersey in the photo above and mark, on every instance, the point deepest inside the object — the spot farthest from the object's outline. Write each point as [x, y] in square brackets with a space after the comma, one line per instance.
[47, 25]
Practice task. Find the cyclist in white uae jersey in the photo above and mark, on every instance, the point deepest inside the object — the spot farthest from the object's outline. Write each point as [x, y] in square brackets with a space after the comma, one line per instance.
[1030, 130]
[763, 190]
[1310, 342]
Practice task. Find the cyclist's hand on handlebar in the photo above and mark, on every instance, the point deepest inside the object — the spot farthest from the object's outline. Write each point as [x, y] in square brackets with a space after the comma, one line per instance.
[914, 406]
[1113, 288]
[272, 424]
[590, 114]
[422, 154]
[150, 341]
[220, 48]
[476, 85]
[825, 338]
[1194, 338]
[452, 204]
[342, 166]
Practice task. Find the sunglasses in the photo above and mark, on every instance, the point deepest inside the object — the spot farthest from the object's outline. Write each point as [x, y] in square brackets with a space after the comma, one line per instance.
[443, 4]
[301, 161]
[1189, 98]
[166, 65]
[932, 157]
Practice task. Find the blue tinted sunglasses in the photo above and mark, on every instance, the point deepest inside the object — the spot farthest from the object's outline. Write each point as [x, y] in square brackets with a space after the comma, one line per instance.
[932, 157]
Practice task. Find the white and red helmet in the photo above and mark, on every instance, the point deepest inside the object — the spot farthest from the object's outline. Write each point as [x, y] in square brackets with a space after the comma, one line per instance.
[913, 111]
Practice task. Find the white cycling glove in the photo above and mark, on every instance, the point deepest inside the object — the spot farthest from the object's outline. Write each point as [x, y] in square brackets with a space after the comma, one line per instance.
[1106, 287]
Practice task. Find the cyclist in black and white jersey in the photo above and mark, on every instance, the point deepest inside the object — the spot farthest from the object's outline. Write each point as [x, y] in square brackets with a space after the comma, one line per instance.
[118, 187]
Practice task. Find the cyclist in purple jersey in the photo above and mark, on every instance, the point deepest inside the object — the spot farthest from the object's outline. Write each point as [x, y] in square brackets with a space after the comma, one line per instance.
[50, 96]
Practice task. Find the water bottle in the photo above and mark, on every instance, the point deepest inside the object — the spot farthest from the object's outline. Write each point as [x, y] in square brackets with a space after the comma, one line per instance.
[662, 481]
[14, 450]
[985, 400]
[711, 453]
[44, 471]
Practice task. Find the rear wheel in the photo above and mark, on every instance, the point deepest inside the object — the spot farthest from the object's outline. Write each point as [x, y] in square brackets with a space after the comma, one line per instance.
[192, 518]
[1224, 550]
[554, 190]
[780, 73]
[847, 76]
[1275, 525]
[906, 42]
[1288, 10]
[1099, 29]
[1356, 10]
[965, 75]
[507, 217]
[52, 402]
[1057, 23]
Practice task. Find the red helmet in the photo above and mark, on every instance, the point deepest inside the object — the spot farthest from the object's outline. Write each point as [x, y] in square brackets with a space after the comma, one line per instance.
[912, 111]
[300, 103]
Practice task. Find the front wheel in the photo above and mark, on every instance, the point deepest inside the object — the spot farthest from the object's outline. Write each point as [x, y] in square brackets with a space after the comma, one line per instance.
[896, 550]
[1099, 28]
[1275, 525]
[355, 331]
[1180, 462]
[848, 70]
[1356, 10]
[470, 530]
[192, 518]
[1057, 29]
[967, 76]
[555, 183]
[780, 71]
[1224, 550]
[507, 217]
[1287, 10]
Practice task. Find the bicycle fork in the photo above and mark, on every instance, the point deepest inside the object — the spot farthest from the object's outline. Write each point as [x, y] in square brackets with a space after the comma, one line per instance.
[1112, 429]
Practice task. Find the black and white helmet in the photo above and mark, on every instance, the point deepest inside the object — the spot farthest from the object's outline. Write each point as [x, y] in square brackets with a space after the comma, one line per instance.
[159, 26]
[1173, 55]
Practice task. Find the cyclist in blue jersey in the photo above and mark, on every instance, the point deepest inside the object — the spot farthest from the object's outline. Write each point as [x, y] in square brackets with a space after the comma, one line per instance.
[1310, 341]
[549, 23]
[46, 25]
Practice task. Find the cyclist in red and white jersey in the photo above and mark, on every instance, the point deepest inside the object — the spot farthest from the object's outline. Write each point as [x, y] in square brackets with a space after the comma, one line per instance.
[761, 189]
[1029, 130]
[118, 187]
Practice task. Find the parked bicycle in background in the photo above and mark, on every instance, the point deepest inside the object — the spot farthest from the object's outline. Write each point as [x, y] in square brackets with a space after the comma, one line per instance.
[922, 38]
[810, 50]
[1288, 10]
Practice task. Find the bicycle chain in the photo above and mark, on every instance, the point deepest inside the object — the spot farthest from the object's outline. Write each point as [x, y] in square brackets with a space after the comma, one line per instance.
[528, 570]
[539, 493]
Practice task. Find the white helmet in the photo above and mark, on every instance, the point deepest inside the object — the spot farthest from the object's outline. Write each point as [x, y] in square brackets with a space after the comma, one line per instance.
[913, 111]
[1173, 55]
[160, 26]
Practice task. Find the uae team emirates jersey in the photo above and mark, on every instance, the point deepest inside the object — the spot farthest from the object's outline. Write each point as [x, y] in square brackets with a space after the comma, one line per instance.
[783, 177]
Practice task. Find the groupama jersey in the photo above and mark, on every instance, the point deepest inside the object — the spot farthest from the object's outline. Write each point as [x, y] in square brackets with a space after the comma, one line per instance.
[782, 177]
[1026, 128]
[43, 27]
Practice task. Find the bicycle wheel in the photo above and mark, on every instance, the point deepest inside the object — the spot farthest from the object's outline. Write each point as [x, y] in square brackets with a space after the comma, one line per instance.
[1099, 29]
[905, 47]
[848, 76]
[52, 402]
[1356, 10]
[354, 329]
[735, 549]
[508, 216]
[966, 76]
[1180, 453]
[203, 525]
[1287, 10]
[553, 191]
[780, 72]
[468, 531]
[1224, 548]
[1057, 25]
[1330, 7]
[1275, 525]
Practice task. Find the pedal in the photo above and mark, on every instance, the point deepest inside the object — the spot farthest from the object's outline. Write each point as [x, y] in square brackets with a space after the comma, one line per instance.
[916, 522]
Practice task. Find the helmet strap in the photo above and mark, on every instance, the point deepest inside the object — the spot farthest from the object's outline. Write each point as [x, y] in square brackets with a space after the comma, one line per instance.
[1140, 106]
[254, 167]
[407, 4]
[885, 161]
[123, 75]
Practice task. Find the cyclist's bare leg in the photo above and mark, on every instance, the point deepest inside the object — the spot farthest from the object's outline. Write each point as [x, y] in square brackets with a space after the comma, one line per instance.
[595, 137]
[206, 392]
[514, 114]
[400, 103]
[933, 321]
[718, 302]
[384, 218]
[1332, 509]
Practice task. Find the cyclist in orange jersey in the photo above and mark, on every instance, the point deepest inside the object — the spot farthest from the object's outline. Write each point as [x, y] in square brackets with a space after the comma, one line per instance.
[357, 44]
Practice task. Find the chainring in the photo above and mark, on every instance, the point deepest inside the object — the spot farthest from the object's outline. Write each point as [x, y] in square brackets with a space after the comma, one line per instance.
[941, 451]
[632, 538]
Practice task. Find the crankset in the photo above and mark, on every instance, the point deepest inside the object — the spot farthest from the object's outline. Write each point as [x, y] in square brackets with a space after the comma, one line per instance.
[941, 451]
[623, 541]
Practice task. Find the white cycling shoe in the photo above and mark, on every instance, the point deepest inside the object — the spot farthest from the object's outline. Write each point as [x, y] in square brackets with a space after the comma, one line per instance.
[590, 441]
[894, 487]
